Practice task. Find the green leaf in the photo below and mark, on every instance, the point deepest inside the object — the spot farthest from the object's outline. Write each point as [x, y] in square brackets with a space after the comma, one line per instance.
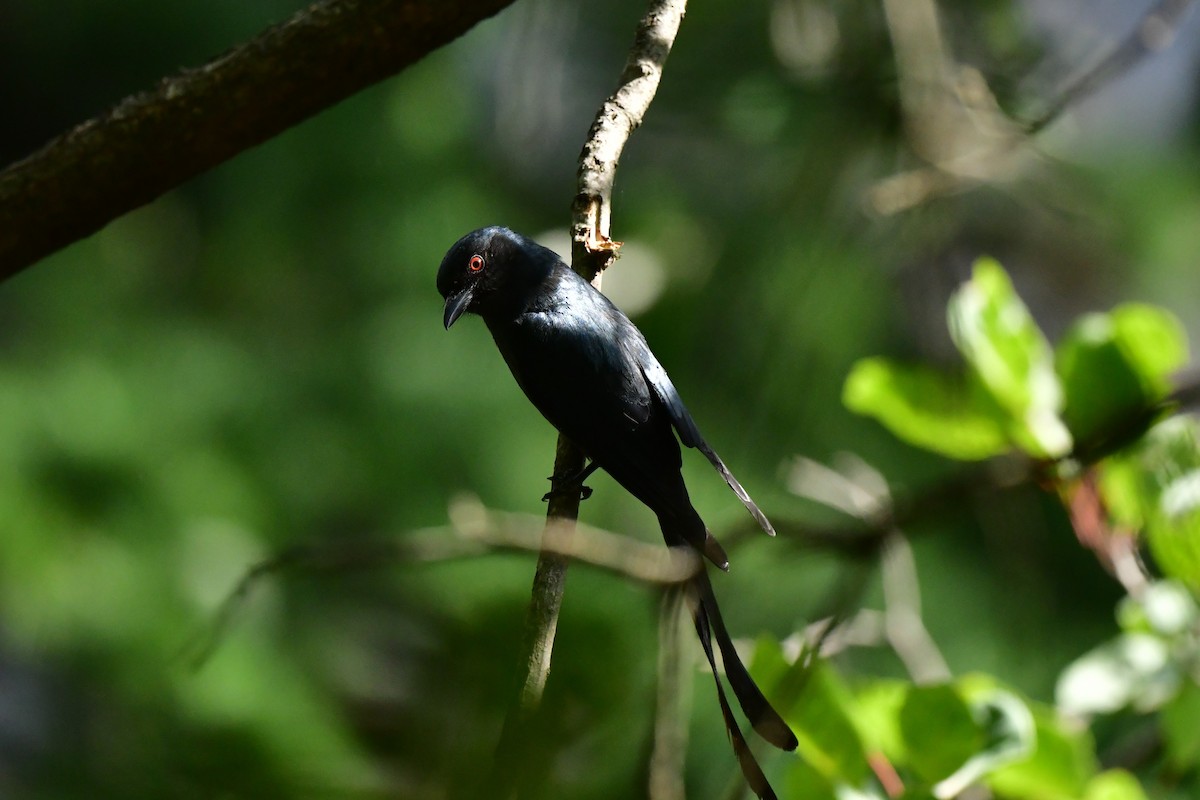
[876, 716]
[1170, 458]
[1102, 387]
[1114, 366]
[1009, 736]
[1123, 487]
[1004, 346]
[817, 704]
[940, 733]
[768, 664]
[1180, 731]
[1048, 759]
[1154, 342]
[1114, 784]
[820, 716]
[949, 415]
[803, 780]
[1058, 768]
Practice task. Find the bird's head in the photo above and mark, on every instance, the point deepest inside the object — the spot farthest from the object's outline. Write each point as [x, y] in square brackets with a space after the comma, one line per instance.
[492, 271]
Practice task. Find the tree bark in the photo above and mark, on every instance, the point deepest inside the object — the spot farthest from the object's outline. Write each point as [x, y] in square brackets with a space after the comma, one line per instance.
[151, 142]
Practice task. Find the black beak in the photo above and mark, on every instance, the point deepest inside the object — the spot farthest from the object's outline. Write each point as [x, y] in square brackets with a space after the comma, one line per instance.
[456, 306]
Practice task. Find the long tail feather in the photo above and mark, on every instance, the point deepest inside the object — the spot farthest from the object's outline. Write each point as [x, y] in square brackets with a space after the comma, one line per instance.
[749, 764]
[763, 717]
[689, 434]
[714, 552]
[734, 484]
[691, 529]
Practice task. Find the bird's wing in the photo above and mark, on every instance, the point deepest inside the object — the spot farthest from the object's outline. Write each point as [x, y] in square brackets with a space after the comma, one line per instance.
[689, 434]
[595, 394]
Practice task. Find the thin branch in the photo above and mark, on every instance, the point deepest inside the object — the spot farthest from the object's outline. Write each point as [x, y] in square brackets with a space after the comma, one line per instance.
[1154, 32]
[152, 142]
[591, 251]
[670, 715]
[905, 628]
[953, 121]
[541, 620]
[875, 517]
[621, 114]
[474, 532]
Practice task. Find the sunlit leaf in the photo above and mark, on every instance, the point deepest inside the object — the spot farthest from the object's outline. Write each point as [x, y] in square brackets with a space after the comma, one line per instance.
[1181, 733]
[1102, 387]
[1135, 669]
[1153, 340]
[1114, 784]
[1123, 487]
[1004, 346]
[940, 733]
[1056, 760]
[1114, 368]
[803, 780]
[820, 716]
[949, 415]
[1008, 736]
[1155, 487]
[1170, 458]
[876, 715]
[1058, 769]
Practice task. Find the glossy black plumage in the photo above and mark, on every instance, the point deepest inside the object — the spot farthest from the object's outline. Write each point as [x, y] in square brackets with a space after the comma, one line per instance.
[589, 371]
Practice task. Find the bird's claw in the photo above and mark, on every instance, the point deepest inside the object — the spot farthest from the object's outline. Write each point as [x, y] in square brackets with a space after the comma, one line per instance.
[572, 484]
[584, 493]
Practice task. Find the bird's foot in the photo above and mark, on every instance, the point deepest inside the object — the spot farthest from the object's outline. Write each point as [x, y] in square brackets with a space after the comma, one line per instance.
[584, 492]
[571, 485]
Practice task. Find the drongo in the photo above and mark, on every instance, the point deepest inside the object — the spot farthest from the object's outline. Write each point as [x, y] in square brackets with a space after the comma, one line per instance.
[589, 371]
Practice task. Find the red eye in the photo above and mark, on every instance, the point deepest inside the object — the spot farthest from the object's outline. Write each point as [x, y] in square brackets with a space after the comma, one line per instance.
[475, 264]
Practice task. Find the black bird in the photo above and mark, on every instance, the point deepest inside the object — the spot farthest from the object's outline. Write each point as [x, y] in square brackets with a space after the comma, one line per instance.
[588, 369]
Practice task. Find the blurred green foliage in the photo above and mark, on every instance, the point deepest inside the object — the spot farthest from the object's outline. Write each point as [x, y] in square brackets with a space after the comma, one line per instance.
[256, 360]
[1097, 402]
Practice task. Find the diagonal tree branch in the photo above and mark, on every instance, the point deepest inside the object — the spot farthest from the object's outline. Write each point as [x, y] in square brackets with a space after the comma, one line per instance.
[1155, 31]
[153, 141]
[953, 120]
[591, 251]
[591, 248]
[474, 531]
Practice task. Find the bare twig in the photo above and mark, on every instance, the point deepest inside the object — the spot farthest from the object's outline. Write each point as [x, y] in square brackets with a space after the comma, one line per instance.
[953, 121]
[906, 631]
[862, 492]
[549, 583]
[154, 141]
[591, 251]
[874, 517]
[856, 490]
[1154, 32]
[591, 248]
[670, 715]
[474, 531]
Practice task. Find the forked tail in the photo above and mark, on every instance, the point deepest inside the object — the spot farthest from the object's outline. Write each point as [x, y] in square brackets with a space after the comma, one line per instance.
[762, 716]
